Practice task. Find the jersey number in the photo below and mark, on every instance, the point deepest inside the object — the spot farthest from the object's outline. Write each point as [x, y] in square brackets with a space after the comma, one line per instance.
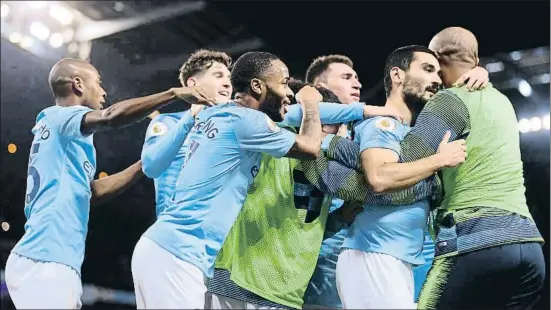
[33, 173]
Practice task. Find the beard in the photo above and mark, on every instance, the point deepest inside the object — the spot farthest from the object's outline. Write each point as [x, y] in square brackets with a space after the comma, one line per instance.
[272, 105]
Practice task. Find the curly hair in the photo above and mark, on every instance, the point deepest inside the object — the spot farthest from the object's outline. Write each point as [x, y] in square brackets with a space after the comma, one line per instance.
[201, 61]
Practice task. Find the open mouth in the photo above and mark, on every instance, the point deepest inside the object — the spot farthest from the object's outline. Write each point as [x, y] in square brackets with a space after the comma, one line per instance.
[224, 93]
[356, 96]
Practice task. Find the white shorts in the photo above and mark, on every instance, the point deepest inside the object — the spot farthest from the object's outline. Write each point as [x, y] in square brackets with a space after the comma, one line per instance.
[163, 281]
[374, 281]
[223, 302]
[42, 285]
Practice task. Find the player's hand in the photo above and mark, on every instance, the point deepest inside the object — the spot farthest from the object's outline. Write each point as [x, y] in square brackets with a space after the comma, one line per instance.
[194, 95]
[349, 210]
[477, 77]
[453, 153]
[308, 94]
[372, 110]
[195, 109]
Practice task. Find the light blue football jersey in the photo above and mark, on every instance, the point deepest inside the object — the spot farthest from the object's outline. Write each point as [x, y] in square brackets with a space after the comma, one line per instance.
[163, 153]
[62, 163]
[222, 158]
[398, 231]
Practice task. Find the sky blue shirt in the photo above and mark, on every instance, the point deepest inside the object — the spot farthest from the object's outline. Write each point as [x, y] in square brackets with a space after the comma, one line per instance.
[163, 153]
[222, 158]
[398, 231]
[62, 163]
[420, 272]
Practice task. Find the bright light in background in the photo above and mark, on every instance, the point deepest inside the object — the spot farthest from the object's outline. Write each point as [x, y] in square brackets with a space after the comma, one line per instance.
[5, 10]
[40, 31]
[546, 122]
[524, 88]
[15, 37]
[516, 55]
[493, 67]
[535, 124]
[37, 4]
[5, 226]
[12, 148]
[68, 35]
[524, 125]
[119, 6]
[72, 48]
[26, 42]
[56, 40]
[61, 14]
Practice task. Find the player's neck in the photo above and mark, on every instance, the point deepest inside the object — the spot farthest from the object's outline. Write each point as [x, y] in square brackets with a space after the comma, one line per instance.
[67, 101]
[395, 100]
[248, 101]
[455, 71]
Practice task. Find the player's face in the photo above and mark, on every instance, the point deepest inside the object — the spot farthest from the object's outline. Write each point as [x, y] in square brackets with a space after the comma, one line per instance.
[215, 81]
[93, 93]
[343, 81]
[422, 80]
[277, 94]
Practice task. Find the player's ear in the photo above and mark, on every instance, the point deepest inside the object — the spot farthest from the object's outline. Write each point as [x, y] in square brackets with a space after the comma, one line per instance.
[191, 81]
[78, 85]
[257, 86]
[397, 75]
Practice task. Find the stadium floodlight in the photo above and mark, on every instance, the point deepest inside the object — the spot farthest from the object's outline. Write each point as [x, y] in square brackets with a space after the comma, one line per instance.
[524, 88]
[56, 40]
[40, 31]
[524, 125]
[535, 124]
[546, 122]
[15, 37]
[68, 35]
[61, 14]
[26, 42]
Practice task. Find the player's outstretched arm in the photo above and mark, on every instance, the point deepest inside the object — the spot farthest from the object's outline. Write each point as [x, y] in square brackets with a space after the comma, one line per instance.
[335, 113]
[111, 186]
[130, 111]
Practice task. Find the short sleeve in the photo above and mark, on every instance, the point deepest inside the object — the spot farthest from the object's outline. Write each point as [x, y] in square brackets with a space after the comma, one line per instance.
[68, 120]
[256, 132]
[379, 132]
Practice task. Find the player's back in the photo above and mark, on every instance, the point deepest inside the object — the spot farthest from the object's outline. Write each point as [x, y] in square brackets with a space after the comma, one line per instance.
[62, 163]
[166, 182]
[222, 158]
[492, 176]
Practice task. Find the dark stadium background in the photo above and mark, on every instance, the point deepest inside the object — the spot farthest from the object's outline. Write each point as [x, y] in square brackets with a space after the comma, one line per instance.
[146, 58]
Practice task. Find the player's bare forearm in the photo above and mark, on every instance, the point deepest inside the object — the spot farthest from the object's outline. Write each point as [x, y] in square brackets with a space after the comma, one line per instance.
[391, 176]
[308, 141]
[111, 186]
[126, 112]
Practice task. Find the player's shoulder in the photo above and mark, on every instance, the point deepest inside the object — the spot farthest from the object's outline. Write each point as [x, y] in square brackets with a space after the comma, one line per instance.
[384, 123]
[58, 113]
[167, 118]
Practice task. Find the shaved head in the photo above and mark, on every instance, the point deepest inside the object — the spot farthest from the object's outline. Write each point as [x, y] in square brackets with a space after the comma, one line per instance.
[64, 71]
[455, 45]
[79, 80]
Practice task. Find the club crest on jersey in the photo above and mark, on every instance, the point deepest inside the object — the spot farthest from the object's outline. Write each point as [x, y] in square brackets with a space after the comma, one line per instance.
[273, 127]
[385, 123]
[158, 129]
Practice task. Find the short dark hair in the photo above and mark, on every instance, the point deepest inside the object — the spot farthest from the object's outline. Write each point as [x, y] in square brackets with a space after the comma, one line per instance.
[202, 60]
[402, 58]
[249, 66]
[328, 96]
[320, 65]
